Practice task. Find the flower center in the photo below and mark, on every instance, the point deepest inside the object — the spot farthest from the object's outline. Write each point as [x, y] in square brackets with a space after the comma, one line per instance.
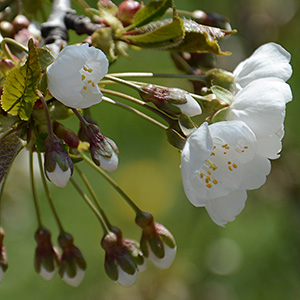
[87, 77]
[222, 165]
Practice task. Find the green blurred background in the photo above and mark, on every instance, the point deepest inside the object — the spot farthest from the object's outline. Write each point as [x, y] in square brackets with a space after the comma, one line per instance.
[255, 257]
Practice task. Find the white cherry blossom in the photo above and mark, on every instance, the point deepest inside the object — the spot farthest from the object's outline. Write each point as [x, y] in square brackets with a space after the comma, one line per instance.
[219, 162]
[73, 77]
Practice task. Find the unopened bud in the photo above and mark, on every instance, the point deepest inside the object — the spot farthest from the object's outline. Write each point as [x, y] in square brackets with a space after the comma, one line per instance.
[72, 264]
[46, 260]
[20, 22]
[173, 101]
[157, 243]
[127, 10]
[58, 165]
[211, 19]
[104, 151]
[123, 259]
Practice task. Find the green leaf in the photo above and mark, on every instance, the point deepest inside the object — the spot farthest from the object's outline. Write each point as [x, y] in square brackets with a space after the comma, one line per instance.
[20, 88]
[199, 38]
[10, 145]
[45, 57]
[154, 10]
[160, 34]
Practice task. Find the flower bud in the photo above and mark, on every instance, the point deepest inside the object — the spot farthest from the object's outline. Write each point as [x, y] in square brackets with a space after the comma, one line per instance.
[69, 137]
[3, 259]
[104, 151]
[126, 11]
[58, 165]
[211, 19]
[173, 101]
[46, 260]
[72, 263]
[157, 243]
[123, 258]
[20, 22]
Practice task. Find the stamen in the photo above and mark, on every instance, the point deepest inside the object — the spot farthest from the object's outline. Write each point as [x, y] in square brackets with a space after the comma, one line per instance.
[82, 77]
[212, 165]
[234, 165]
[230, 168]
[209, 185]
[215, 181]
[84, 87]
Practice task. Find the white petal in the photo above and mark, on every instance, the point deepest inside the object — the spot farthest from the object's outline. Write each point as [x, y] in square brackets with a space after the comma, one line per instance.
[109, 164]
[126, 279]
[59, 177]
[269, 60]
[74, 281]
[270, 146]
[191, 108]
[225, 209]
[261, 105]
[255, 172]
[46, 274]
[166, 261]
[196, 151]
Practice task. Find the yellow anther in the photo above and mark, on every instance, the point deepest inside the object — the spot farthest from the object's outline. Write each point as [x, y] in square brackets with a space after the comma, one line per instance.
[201, 175]
[212, 165]
[234, 165]
[215, 181]
[207, 179]
[213, 154]
[209, 172]
[225, 152]
[84, 87]
[89, 81]
[246, 147]
[209, 185]
[230, 168]
[82, 77]
[93, 84]
[229, 162]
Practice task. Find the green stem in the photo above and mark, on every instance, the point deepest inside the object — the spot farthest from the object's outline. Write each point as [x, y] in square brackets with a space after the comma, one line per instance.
[94, 196]
[33, 189]
[82, 120]
[49, 124]
[113, 183]
[139, 102]
[158, 75]
[122, 81]
[135, 111]
[48, 194]
[7, 40]
[90, 204]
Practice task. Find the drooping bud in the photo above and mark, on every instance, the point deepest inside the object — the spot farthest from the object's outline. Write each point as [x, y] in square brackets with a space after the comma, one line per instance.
[104, 151]
[211, 19]
[72, 264]
[123, 258]
[66, 134]
[126, 11]
[46, 260]
[157, 243]
[58, 165]
[173, 101]
[3, 259]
